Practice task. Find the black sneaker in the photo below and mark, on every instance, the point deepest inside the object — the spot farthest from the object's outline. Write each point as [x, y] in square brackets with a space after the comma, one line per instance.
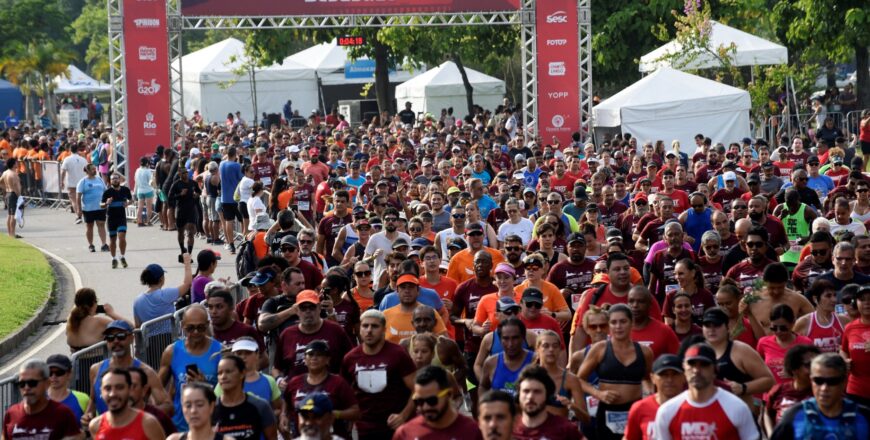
[123, 262]
[209, 241]
[114, 263]
[105, 248]
[232, 248]
[92, 248]
[181, 258]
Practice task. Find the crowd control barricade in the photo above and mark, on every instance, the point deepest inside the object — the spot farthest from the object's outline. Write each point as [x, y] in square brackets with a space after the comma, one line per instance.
[153, 337]
[853, 123]
[9, 394]
[82, 361]
[51, 192]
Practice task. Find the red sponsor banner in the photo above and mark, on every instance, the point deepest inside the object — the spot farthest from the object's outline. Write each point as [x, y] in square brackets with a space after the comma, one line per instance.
[339, 7]
[146, 60]
[557, 27]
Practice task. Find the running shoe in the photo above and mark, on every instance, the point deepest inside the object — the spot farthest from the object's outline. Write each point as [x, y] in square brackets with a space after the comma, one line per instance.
[123, 262]
[78, 220]
[105, 248]
[114, 263]
[92, 248]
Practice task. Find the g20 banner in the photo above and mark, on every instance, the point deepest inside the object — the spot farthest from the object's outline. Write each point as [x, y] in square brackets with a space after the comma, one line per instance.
[146, 46]
[339, 7]
[557, 26]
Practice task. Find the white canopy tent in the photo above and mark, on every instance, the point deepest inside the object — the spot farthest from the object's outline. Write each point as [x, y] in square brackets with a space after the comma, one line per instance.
[442, 87]
[673, 105]
[750, 51]
[329, 60]
[77, 81]
[216, 83]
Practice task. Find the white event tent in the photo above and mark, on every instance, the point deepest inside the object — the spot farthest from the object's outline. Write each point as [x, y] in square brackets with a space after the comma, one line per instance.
[216, 83]
[329, 60]
[673, 105]
[442, 87]
[77, 81]
[750, 51]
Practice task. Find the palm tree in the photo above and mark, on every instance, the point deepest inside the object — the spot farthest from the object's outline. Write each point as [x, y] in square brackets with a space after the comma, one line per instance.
[31, 67]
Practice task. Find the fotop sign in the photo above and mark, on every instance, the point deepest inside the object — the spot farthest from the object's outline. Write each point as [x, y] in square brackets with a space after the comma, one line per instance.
[557, 42]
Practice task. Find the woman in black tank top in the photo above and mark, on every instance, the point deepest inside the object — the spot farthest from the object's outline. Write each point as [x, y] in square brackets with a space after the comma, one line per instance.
[622, 366]
[198, 403]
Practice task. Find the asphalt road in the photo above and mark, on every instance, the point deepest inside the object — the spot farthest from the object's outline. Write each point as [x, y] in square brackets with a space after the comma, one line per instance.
[55, 232]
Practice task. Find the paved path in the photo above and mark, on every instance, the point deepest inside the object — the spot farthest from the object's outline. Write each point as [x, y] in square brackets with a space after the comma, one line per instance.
[55, 231]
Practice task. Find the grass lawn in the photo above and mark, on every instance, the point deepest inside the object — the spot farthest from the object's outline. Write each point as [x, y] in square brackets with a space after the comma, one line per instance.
[25, 283]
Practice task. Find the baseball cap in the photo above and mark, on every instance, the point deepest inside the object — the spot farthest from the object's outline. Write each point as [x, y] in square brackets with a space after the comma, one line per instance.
[714, 315]
[316, 402]
[729, 164]
[670, 154]
[317, 346]
[813, 159]
[59, 361]
[290, 240]
[155, 270]
[729, 175]
[529, 190]
[457, 243]
[118, 324]
[747, 141]
[420, 242]
[245, 345]
[613, 234]
[701, 352]
[263, 276]
[652, 163]
[506, 303]
[576, 236]
[580, 193]
[245, 281]
[836, 159]
[473, 227]
[195, 151]
[640, 196]
[533, 294]
[206, 257]
[505, 268]
[399, 243]
[667, 362]
[294, 149]
[308, 296]
[408, 278]
[753, 178]
[534, 259]
[767, 164]
[452, 190]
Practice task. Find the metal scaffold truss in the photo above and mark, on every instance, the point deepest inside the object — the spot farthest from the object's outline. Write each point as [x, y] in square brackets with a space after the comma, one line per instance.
[523, 18]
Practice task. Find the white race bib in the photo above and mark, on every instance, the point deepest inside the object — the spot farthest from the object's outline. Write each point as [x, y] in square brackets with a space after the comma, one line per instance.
[372, 381]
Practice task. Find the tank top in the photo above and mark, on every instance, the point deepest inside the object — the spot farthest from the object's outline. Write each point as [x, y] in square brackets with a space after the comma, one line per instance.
[697, 225]
[827, 338]
[181, 358]
[796, 228]
[554, 402]
[505, 379]
[98, 396]
[77, 402]
[496, 347]
[446, 236]
[863, 218]
[612, 371]
[726, 370]
[350, 237]
[132, 431]
[213, 191]
[217, 436]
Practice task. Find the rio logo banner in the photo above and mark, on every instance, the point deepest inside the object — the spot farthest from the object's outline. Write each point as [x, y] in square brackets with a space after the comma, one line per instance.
[339, 7]
[556, 23]
[146, 46]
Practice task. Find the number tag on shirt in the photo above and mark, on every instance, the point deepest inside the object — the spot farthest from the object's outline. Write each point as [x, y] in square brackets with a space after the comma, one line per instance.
[303, 206]
[616, 421]
[592, 406]
[372, 381]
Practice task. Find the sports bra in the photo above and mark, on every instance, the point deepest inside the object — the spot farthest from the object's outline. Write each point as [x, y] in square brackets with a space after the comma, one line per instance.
[217, 436]
[554, 402]
[726, 370]
[612, 371]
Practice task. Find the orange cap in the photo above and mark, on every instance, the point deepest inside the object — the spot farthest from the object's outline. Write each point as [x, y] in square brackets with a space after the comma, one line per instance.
[408, 278]
[308, 296]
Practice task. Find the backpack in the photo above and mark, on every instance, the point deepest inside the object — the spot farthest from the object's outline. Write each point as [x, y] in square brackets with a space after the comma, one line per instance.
[246, 259]
[98, 156]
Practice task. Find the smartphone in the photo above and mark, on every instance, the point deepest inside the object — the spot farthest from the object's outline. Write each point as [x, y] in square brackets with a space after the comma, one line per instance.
[192, 369]
[100, 308]
[840, 309]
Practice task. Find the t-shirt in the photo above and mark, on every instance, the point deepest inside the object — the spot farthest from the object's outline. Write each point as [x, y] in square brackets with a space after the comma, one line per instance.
[446, 287]
[330, 226]
[856, 345]
[774, 354]
[197, 287]
[54, 422]
[334, 386]
[264, 387]
[486, 310]
[313, 275]
[523, 229]
[75, 169]
[575, 277]
[607, 297]
[231, 175]
[541, 324]
[553, 299]
[380, 241]
[658, 337]
[245, 421]
[724, 416]
[401, 326]
[554, 427]
[746, 273]
[290, 350]
[416, 429]
[425, 296]
[150, 305]
[701, 300]
[641, 419]
[461, 267]
[120, 195]
[783, 396]
[663, 266]
[91, 190]
[236, 331]
[379, 383]
[465, 303]
[795, 421]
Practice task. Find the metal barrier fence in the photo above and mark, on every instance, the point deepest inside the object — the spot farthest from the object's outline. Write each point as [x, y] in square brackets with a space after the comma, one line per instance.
[9, 394]
[82, 361]
[153, 337]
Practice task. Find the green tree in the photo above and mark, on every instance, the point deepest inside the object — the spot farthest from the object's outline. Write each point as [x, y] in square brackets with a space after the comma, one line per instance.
[91, 28]
[30, 21]
[33, 66]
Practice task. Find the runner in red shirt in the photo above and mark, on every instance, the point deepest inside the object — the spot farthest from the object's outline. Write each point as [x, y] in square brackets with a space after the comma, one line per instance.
[680, 198]
[667, 376]
[654, 334]
[856, 348]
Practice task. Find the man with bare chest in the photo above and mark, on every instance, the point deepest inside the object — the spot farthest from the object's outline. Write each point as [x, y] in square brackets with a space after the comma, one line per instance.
[10, 182]
[775, 277]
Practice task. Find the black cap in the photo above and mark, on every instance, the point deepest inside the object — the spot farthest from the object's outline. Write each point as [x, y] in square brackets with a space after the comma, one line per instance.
[767, 164]
[457, 243]
[729, 164]
[813, 159]
[576, 236]
[613, 234]
[667, 362]
[59, 361]
[534, 259]
[534, 295]
[580, 193]
[753, 178]
[400, 242]
[317, 346]
[701, 352]
[715, 315]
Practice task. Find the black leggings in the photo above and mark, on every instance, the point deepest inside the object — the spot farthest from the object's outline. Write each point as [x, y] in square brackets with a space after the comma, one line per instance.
[604, 433]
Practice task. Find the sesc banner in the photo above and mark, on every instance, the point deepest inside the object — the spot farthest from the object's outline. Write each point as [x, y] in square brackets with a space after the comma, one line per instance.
[339, 7]
[557, 26]
[146, 46]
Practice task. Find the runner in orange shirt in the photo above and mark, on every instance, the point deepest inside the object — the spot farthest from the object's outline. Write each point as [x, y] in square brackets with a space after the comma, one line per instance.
[461, 266]
[554, 303]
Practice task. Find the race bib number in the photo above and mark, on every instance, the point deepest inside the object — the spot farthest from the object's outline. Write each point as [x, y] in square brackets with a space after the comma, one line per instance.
[616, 421]
[671, 289]
[303, 206]
[592, 406]
[794, 246]
[575, 300]
[372, 381]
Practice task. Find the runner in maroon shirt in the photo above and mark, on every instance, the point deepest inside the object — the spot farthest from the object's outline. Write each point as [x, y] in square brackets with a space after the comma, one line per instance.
[433, 398]
[573, 275]
[536, 388]
[751, 269]
[36, 412]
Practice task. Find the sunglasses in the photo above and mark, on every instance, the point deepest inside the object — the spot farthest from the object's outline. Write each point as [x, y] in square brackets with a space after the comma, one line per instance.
[779, 328]
[755, 244]
[739, 206]
[533, 305]
[363, 273]
[57, 373]
[711, 324]
[513, 248]
[390, 219]
[116, 337]
[306, 241]
[532, 266]
[862, 190]
[819, 253]
[830, 381]
[553, 202]
[597, 327]
[458, 216]
[511, 312]
[474, 234]
[698, 206]
[288, 249]
[431, 400]
[416, 229]
[30, 383]
[201, 328]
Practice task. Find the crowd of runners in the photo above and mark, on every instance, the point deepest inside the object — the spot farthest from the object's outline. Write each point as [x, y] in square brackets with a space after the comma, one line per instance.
[443, 278]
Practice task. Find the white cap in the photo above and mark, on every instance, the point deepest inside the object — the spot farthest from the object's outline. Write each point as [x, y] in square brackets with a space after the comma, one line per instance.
[293, 149]
[245, 345]
[729, 175]
[195, 152]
